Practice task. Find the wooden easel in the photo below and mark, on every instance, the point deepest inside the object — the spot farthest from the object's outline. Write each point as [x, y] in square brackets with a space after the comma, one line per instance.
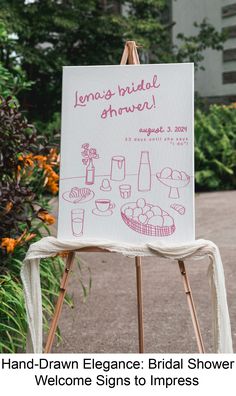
[130, 56]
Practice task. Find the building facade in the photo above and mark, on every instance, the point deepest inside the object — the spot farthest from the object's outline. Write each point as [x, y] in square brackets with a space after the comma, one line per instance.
[217, 83]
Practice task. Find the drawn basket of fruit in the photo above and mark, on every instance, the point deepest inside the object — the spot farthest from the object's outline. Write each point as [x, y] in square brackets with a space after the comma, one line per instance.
[147, 219]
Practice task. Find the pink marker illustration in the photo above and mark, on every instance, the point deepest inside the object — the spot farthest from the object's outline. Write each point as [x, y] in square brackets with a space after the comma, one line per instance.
[89, 154]
[144, 172]
[77, 222]
[178, 208]
[147, 219]
[103, 207]
[125, 191]
[118, 168]
[173, 179]
[105, 185]
[78, 195]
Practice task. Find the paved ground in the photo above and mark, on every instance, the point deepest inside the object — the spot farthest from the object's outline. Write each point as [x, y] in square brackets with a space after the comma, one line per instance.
[107, 322]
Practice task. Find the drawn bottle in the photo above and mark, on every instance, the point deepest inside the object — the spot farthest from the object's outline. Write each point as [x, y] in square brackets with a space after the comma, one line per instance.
[90, 173]
[144, 172]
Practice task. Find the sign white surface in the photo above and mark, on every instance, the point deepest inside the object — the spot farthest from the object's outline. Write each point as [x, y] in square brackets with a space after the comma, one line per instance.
[127, 172]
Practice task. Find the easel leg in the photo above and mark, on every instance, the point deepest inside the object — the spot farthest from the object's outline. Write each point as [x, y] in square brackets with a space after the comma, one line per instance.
[64, 280]
[192, 308]
[140, 303]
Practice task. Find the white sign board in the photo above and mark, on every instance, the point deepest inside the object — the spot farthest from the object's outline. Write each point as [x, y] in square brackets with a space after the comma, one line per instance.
[127, 172]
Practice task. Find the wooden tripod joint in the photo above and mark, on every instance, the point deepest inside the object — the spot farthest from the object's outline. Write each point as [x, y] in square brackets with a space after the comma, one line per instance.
[67, 269]
[182, 267]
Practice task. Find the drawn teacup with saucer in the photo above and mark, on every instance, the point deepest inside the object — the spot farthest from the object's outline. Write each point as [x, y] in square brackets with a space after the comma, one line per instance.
[103, 207]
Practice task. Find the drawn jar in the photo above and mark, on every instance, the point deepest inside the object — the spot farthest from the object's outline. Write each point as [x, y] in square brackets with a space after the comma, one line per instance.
[118, 168]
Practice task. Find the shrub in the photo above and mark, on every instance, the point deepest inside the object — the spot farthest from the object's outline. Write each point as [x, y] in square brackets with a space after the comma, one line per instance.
[25, 173]
[11, 82]
[27, 170]
[215, 148]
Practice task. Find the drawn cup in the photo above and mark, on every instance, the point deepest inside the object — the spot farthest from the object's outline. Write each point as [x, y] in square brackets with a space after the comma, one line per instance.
[104, 204]
[77, 222]
[125, 191]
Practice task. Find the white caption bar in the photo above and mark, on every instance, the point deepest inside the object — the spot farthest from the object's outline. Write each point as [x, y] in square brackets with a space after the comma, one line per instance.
[99, 374]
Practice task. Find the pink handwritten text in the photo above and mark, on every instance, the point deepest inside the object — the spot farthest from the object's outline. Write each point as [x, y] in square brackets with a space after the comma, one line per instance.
[110, 112]
[142, 86]
[83, 100]
[149, 131]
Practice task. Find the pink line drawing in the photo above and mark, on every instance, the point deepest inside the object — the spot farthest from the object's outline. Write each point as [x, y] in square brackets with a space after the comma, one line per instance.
[178, 208]
[77, 222]
[78, 195]
[144, 172]
[103, 207]
[89, 154]
[125, 191]
[118, 168]
[105, 185]
[147, 219]
[173, 179]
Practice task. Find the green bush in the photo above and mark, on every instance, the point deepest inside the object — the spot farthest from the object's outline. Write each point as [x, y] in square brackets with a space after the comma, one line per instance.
[215, 148]
[25, 173]
[28, 177]
[11, 82]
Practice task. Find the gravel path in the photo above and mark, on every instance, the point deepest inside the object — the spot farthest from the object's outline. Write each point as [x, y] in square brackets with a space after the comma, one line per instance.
[107, 322]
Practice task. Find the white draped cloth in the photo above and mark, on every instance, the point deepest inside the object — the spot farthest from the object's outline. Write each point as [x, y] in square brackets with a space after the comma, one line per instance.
[50, 246]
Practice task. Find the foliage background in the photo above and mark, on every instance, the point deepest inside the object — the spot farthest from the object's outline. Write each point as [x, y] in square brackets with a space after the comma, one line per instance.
[49, 34]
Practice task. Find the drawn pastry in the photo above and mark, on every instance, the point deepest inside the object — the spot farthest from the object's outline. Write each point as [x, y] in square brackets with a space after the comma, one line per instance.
[78, 195]
[178, 208]
[147, 219]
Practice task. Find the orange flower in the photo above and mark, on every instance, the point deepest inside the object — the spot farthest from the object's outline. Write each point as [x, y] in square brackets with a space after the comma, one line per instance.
[48, 168]
[9, 244]
[44, 162]
[46, 217]
[53, 187]
[8, 207]
[41, 159]
[27, 160]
